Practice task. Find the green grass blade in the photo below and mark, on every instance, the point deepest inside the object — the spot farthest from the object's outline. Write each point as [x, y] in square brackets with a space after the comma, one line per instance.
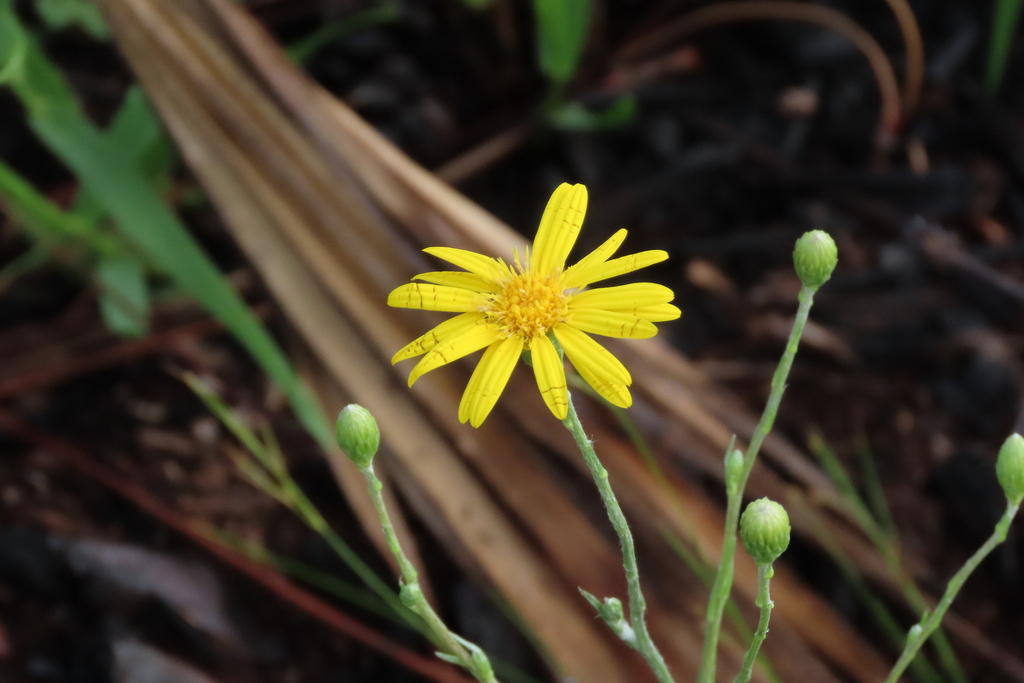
[310, 575]
[301, 50]
[46, 223]
[23, 264]
[873, 488]
[1004, 25]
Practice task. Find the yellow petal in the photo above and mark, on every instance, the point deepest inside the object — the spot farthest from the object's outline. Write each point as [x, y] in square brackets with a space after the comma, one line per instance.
[482, 265]
[611, 323]
[571, 279]
[584, 351]
[614, 393]
[454, 278]
[453, 347]
[449, 327]
[550, 374]
[558, 229]
[624, 298]
[489, 379]
[658, 313]
[434, 298]
[618, 266]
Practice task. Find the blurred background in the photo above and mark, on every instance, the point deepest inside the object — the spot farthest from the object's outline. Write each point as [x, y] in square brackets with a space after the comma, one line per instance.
[205, 198]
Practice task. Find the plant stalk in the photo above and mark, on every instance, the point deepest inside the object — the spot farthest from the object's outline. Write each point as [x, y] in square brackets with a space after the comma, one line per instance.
[457, 649]
[764, 601]
[930, 622]
[722, 588]
[637, 602]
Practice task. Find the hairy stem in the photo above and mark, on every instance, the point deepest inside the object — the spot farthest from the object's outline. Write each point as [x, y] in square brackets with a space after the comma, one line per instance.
[637, 602]
[764, 601]
[930, 622]
[457, 649]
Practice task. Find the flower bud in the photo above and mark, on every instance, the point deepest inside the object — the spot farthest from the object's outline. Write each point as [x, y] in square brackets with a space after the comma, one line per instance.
[1010, 468]
[764, 529]
[611, 611]
[814, 258]
[357, 434]
[733, 470]
[411, 595]
[482, 665]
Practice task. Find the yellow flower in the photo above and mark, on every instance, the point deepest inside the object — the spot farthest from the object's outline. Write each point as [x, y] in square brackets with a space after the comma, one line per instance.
[508, 309]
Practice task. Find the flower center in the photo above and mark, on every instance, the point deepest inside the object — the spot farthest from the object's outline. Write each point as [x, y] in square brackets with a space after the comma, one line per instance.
[528, 306]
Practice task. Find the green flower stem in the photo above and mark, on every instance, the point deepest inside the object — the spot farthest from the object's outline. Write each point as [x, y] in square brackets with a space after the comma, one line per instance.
[637, 603]
[765, 572]
[722, 588]
[304, 508]
[456, 650]
[921, 631]
[943, 648]
[876, 522]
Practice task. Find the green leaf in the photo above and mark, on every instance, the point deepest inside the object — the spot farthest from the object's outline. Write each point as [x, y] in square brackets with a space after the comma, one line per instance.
[13, 45]
[577, 118]
[124, 295]
[138, 133]
[561, 36]
[1004, 25]
[60, 14]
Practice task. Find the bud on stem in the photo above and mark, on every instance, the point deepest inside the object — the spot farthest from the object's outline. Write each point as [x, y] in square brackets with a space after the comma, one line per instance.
[814, 258]
[764, 528]
[1010, 468]
[357, 434]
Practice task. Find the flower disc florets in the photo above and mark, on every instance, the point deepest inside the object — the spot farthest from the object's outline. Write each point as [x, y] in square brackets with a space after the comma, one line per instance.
[528, 305]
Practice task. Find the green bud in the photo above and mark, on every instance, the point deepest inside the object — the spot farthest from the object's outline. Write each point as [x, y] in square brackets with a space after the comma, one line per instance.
[611, 611]
[357, 434]
[733, 469]
[482, 665]
[814, 258]
[411, 595]
[1010, 468]
[764, 529]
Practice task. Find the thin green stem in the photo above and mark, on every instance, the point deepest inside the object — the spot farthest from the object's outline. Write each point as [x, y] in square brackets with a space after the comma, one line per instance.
[325, 581]
[637, 602]
[722, 588]
[940, 641]
[920, 633]
[456, 649]
[922, 669]
[304, 508]
[875, 521]
[764, 601]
